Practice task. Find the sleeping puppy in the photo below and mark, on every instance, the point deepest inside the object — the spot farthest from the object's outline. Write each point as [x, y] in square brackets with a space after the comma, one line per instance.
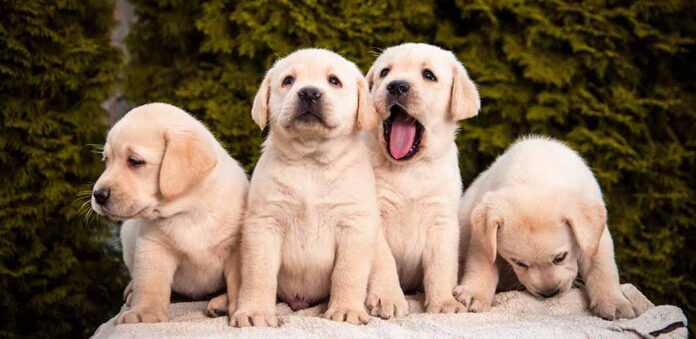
[312, 221]
[538, 215]
[420, 92]
[181, 197]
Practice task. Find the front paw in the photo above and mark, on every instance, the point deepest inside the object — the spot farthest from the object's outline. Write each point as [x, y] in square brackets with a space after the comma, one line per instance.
[351, 315]
[143, 315]
[613, 307]
[254, 318]
[446, 305]
[217, 307]
[474, 301]
[387, 306]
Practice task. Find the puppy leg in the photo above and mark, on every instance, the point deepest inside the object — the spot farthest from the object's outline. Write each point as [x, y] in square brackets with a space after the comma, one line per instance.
[385, 299]
[480, 276]
[260, 262]
[601, 278]
[153, 271]
[351, 272]
[440, 264]
[478, 284]
[227, 303]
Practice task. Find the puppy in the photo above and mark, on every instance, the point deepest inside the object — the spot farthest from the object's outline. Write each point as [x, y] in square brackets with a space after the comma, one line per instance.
[181, 197]
[537, 218]
[420, 92]
[312, 221]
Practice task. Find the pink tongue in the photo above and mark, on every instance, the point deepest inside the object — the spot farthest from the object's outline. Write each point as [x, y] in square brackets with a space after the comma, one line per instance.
[402, 136]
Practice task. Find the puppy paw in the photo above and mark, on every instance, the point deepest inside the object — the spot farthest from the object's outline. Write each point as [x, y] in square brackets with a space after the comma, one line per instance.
[387, 306]
[143, 315]
[217, 307]
[447, 306]
[351, 315]
[614, 307]
[474, 302]
[254, 318]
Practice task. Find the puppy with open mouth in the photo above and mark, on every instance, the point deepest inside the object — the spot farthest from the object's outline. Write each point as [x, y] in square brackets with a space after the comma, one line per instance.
[537, 219]
[181, 197]
[420, 92]
[312, 225]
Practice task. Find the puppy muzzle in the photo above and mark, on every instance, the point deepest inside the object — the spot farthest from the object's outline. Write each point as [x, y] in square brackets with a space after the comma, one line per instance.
[309, 109]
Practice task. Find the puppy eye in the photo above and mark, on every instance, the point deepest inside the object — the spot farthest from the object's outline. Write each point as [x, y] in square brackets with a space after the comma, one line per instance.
[133, 162]
[334, 81]
[289, 80]
[521, 264]
[429, 75]
[559, 258]
[384, 73]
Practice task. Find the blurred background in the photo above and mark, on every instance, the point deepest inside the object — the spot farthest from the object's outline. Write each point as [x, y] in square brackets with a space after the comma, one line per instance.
[614, 79]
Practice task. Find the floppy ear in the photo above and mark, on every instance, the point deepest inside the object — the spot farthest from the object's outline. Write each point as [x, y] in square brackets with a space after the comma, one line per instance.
[587, 218]
[464, 100]
[485, 221]
[367, 115]
[188, 158]
[369, 79]
[259, 112]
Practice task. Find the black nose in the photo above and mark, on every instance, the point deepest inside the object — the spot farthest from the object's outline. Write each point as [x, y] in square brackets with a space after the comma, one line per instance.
[398, 87]
[101, 196]
[309, 94]
[549, 293]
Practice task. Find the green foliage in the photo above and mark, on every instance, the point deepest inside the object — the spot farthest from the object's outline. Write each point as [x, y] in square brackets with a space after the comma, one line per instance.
[614, 79]
[57, 277]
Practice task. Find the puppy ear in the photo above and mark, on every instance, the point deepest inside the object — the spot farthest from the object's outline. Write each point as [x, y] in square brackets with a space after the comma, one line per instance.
[367, 115]
[369, 77]
[188, 158]
[464, 99]
[587, 218]
[259, 112]
[485, 221]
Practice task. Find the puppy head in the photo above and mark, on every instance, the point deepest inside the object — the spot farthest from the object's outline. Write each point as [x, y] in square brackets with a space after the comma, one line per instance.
[314, 93]
[420, 91]
[541, 235]
[154, 154]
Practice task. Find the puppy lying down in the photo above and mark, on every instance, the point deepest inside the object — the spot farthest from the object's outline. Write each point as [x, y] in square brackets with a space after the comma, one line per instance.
[181, 198]
[311, 228]
[536, 218]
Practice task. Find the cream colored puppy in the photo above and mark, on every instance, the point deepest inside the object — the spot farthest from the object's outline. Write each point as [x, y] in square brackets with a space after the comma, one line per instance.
[181, 197]
[420, 92]
[539, 210]
[312, 222]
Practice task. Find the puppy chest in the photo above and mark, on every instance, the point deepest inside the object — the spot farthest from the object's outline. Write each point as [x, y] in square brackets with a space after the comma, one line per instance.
[407, 224]
[307, 248]
[307, 261]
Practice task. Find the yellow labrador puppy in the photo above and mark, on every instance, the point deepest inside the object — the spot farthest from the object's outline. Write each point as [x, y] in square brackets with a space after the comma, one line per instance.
[420, 92]
[312, 221]
[537, 217]
[181, 197]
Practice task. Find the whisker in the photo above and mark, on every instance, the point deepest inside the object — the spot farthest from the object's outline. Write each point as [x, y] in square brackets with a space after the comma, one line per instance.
[376, 50]
[95, 148]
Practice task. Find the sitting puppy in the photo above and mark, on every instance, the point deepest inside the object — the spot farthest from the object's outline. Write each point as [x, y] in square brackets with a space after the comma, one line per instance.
[181, 197]
[311, 227]
[420, 92]
[539, 210]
